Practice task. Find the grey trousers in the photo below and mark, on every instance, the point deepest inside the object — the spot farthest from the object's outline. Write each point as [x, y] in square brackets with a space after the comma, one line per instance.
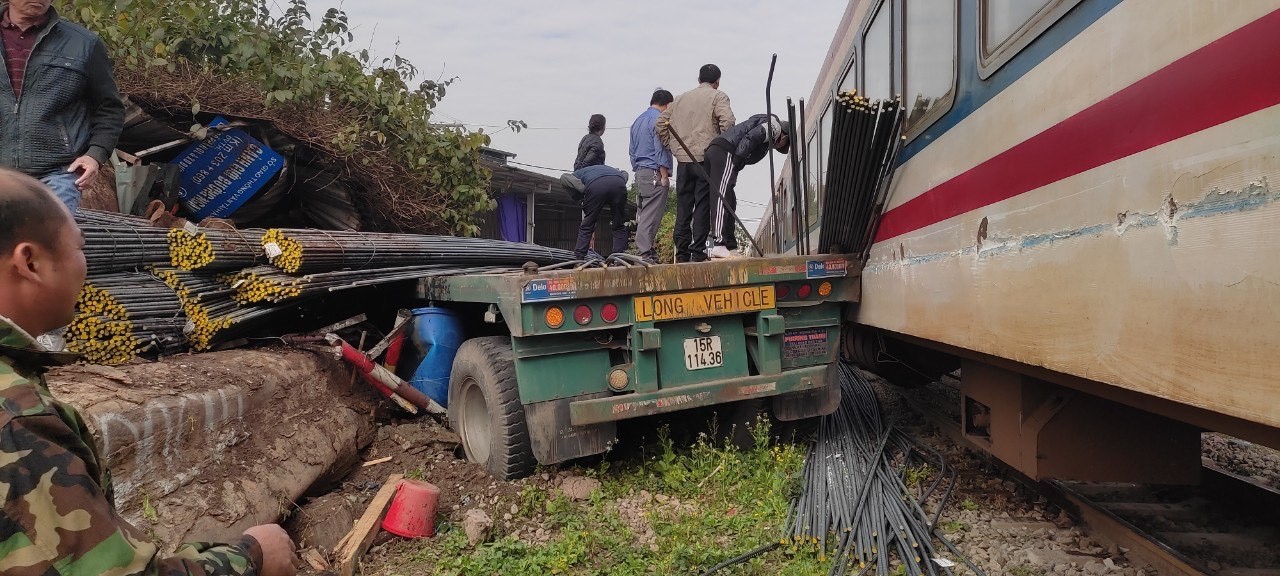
[652, 200]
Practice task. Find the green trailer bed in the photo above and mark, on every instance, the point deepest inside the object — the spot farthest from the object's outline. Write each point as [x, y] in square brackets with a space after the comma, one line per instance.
[583, 349]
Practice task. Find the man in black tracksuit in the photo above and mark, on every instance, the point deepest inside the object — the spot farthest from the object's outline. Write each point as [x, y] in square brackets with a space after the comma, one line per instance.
[744, 144]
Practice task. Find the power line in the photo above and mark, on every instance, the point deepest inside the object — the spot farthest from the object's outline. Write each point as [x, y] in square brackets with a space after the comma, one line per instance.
[537, 166]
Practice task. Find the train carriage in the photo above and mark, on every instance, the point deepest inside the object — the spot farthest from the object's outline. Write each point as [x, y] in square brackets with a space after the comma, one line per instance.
[1083, 217]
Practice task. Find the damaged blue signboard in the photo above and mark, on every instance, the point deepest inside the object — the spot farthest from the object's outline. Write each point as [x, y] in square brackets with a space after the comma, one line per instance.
[223, 171]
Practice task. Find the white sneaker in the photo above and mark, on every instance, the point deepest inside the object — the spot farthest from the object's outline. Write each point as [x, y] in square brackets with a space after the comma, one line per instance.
[720, 252]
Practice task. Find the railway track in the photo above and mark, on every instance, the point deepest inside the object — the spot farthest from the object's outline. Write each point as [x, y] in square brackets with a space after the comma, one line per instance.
[1226, 526]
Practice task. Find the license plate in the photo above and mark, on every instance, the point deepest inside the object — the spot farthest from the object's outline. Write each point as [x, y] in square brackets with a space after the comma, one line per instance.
[656, 308]
[703, 352]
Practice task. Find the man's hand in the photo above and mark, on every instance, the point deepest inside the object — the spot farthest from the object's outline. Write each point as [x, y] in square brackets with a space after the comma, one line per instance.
[278, 551]
[88, 168]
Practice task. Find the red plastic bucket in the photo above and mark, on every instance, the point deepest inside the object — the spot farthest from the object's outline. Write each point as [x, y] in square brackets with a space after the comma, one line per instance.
[413, 510]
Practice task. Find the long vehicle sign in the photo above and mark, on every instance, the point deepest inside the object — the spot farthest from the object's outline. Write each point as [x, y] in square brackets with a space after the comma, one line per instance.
[653, 308]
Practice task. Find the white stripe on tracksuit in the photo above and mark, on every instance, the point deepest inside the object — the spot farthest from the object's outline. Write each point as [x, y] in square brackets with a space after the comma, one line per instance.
[718, 214]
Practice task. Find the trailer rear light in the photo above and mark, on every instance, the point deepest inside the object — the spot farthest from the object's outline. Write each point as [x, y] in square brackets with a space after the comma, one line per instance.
[582, 314]
[782, 291]
[804, 291]
[609, 313]
[824, 289]
[554, 317]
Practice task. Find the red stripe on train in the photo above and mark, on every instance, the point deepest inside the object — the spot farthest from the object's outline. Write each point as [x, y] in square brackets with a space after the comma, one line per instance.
[1234, 76]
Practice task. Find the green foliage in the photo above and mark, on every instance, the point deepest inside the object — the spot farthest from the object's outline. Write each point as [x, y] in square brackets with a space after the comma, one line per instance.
[968, 504]
[665, 243]
[295, 62]
[723, 502]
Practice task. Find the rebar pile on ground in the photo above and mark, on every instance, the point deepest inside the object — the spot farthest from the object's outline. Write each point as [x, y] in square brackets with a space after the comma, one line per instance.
[119, 316]
[215, 249]
[269, 284]
[854, 505]
[865, 140]
[295, 250]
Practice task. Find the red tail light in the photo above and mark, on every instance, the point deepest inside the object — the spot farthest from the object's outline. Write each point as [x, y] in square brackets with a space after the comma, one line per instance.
[582, 314]
[609, 313]
[804, 291]
[782, 291]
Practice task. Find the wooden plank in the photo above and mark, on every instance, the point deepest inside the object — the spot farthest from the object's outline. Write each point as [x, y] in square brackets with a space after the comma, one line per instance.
[357, 542]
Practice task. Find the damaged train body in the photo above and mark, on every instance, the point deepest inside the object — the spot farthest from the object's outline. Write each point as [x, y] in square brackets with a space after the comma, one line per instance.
[1084, 219]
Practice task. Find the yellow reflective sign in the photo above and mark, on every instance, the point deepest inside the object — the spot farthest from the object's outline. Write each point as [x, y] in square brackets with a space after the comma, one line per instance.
[703, 303]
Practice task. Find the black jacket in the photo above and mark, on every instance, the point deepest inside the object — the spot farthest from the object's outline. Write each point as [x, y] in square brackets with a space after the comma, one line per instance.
[590, 152]
[70, 105]
[747, 140]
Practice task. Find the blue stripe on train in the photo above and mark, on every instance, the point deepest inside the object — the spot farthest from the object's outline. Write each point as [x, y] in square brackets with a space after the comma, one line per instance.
[973, 92]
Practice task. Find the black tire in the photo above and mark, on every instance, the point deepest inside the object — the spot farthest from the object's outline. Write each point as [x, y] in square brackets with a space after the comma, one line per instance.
[485, 408]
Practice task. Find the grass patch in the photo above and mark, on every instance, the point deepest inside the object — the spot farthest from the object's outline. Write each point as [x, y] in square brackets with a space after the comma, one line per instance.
[707, 503]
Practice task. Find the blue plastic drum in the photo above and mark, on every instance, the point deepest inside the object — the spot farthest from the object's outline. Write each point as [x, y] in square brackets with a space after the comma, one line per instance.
[435, 336]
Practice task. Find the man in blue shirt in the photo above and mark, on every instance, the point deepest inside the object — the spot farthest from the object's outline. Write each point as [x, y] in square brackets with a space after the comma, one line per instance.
[595, 187]
[651, 163]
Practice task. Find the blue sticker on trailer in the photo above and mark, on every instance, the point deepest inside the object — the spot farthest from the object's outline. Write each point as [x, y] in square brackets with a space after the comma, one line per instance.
[546, 289]
[223, 171]
[828, 269]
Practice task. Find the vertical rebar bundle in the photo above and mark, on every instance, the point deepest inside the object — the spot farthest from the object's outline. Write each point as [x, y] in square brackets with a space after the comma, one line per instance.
[866, 136]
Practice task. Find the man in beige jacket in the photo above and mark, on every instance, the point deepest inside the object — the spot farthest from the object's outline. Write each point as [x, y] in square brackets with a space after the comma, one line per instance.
[698, 116]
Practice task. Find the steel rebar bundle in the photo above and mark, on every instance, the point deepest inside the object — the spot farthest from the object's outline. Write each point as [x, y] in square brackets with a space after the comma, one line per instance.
[296, 250]
[854, 506]
[215, 249]
[865, 141]
[114, 248]
[269, 284]
[119, 316]
[104, 218]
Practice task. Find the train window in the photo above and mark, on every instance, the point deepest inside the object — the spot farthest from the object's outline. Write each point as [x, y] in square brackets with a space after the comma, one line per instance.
[877, 66]
[850, 79]
[1007, 26]
[930, 60]
[811, 191]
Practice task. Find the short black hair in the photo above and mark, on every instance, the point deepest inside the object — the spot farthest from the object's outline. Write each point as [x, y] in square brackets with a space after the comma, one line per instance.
[661, 97]
[596, 123]
[708, 74]
[29, 212]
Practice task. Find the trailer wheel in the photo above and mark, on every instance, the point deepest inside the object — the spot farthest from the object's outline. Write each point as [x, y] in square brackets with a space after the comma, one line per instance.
[485, 409]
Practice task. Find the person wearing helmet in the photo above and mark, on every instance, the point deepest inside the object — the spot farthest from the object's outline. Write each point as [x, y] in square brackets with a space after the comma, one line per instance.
[743, 145]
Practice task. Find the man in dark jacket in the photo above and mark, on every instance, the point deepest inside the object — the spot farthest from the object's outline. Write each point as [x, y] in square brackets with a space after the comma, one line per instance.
[591, 147]
[60, 111]
[743, 145]
[596, 187]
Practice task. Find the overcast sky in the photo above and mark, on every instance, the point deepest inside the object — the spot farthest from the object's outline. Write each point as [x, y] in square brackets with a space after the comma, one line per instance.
[553, 64]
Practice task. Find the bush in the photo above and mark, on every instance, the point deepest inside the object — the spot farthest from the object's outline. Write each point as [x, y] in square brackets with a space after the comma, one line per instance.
[236, 57]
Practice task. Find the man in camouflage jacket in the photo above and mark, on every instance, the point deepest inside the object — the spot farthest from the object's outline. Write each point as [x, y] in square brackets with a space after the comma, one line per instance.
[59, 516]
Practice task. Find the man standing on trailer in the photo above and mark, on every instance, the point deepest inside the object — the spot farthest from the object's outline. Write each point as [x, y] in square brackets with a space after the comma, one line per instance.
[651, 163]
[59, 514]
[60, 111]
[740, 146]
[698, 116]
[591, 147]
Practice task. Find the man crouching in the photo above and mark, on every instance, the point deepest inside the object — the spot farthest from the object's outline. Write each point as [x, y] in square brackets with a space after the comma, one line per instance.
[59, 514]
